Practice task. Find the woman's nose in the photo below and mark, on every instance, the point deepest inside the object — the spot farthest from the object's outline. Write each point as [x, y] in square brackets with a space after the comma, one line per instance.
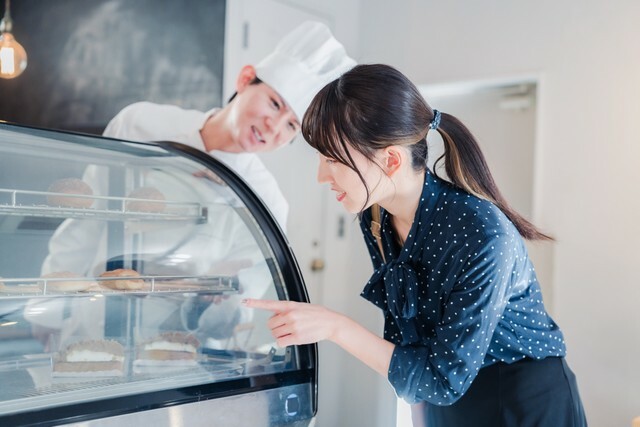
[322, 176]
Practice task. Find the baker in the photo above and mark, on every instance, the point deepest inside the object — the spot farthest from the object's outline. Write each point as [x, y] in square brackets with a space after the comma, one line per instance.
[263, 115]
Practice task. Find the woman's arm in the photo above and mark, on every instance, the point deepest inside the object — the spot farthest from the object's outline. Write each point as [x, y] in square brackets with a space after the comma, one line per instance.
[295, 323]
[440, 368]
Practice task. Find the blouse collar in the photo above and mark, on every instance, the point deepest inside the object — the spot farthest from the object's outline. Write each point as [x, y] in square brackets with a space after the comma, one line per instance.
[394, 285]
[427, 208]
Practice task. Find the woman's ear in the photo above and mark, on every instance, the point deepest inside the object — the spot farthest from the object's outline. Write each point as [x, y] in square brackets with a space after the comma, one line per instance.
[245, 77]
[393, 159]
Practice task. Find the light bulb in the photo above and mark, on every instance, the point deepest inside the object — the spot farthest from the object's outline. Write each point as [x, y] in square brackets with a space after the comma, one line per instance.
[13, 57]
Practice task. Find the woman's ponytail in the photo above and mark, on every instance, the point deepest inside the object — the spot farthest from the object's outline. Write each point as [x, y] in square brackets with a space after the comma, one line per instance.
[467, 168]
[375, 106]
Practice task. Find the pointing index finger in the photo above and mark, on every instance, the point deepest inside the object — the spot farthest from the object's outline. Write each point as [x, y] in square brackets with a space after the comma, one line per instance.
[265, 304]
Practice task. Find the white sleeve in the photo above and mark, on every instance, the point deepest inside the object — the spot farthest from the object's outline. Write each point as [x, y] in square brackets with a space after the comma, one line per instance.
[145, 122]
[136, 122]
[74, 247]
[264, 184]
[78, 244]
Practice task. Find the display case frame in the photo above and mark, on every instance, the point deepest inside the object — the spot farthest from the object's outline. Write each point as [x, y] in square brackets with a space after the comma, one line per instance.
[263, 223]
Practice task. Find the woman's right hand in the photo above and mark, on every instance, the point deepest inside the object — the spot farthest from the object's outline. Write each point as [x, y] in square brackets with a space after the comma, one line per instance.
[296, 323]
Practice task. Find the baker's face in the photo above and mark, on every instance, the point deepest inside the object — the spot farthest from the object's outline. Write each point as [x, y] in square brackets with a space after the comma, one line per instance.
[347, 185]
[262, 120]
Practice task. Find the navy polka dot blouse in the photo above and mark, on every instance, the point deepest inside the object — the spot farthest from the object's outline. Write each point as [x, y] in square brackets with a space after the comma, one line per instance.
[459, 295]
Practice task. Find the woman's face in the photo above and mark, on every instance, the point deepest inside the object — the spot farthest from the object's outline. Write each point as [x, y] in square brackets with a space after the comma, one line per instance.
[261, 119]
[349, 188]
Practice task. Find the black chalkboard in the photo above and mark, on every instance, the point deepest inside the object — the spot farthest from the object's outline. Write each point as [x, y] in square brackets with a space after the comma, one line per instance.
[90, 58]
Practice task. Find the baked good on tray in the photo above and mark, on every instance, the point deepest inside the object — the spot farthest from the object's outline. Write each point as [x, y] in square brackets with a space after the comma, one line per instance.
[91, 358]
[124, 279]
[153, 200]
[72, 186]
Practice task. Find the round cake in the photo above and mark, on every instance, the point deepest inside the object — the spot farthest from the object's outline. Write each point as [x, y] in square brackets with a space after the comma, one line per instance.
[67, 285]
[126, 279]
[70, 186]
[152, 200]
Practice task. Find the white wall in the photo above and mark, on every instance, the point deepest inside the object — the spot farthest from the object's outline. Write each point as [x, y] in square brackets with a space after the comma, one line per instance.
[586, 54]
[507, 136]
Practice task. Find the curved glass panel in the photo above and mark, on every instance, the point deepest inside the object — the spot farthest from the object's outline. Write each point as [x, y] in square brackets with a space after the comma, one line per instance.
[123, 266]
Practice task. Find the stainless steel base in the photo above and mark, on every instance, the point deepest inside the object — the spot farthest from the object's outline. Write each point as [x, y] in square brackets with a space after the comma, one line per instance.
[285, 406]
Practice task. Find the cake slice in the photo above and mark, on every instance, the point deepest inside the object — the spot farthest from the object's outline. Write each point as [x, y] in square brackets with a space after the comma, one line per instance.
[95, 358]
[167, 350]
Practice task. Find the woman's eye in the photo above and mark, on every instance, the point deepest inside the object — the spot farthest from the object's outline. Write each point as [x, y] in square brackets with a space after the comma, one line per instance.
[330, 161]
[293, 126]
[275, 103]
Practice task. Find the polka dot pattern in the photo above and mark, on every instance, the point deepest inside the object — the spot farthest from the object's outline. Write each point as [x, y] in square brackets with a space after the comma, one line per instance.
[459, 295]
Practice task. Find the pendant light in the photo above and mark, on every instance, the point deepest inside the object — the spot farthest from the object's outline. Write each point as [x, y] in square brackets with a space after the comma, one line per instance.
[13, 57]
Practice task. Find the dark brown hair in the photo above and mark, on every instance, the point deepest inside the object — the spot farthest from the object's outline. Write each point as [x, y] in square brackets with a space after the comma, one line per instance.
[375, 106]
[255, 81]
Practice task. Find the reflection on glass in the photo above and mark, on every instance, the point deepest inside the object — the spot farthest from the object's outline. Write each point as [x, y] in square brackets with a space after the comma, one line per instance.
[126, 276]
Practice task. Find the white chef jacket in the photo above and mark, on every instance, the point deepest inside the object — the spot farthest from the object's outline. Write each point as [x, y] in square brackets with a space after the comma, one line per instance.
[145, 121]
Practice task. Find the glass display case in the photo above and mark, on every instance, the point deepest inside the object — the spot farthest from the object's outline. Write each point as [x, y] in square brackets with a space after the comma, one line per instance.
[122, 270]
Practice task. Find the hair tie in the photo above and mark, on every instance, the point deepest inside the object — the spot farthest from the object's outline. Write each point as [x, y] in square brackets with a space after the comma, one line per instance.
[436, 120]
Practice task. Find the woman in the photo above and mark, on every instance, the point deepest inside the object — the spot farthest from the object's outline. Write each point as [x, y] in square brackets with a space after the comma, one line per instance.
[466, 332]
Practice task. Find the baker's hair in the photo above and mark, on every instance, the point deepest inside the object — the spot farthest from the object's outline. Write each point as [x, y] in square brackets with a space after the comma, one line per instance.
[375, 106]
[255, 81]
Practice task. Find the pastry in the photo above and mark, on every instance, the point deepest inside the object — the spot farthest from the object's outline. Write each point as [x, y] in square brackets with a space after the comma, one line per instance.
[96, 358]
[169, 351]
[70, 186]
[153, 200]
[19, 289]
[126, 279]
[67, 285]
[169, 346]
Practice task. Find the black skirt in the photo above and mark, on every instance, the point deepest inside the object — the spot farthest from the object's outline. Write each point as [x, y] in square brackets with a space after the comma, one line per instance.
[528, 393]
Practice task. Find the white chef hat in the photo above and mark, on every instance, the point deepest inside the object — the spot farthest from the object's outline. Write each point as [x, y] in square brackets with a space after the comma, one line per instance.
[302, 63]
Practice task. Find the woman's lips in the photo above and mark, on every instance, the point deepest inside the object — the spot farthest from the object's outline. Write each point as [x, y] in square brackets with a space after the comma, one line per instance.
[340, 195]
